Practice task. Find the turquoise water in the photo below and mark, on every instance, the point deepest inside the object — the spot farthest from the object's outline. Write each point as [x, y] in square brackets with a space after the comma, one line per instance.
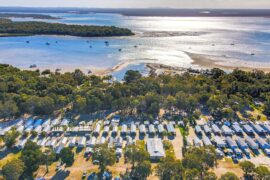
[163, 40]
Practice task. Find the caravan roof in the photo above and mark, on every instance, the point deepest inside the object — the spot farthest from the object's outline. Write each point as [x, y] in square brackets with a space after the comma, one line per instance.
[142, 128]
[247, 128]
[258, 128]
[219, 142]
[241, 143]
[262, 143]
[226, 130]
[251, 143]
[29, 122]
[206, 141]
[152, 129]
[160, 128]
[237, 129]
[38, 122]
[198, 129]
[231, 143]
[216, 129]
[207, 129]
[133, 128]
[197, 142]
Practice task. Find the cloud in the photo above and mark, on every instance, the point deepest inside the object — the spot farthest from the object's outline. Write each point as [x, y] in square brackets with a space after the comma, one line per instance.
[140, 3]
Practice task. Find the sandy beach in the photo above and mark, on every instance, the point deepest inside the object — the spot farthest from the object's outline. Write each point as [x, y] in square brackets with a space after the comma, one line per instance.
[209, 63]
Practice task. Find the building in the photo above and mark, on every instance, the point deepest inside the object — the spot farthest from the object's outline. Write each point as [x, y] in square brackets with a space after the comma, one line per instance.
[97, 129]
[216, 129]
[160, 129]
[29, 122]
[248, 129]
[241, 143]
[266, 127]
[152, 130]
[124, 130]
[197, 142]
[251, 143]
[133, 129]
[207, 129]
[93, 141]
[219, 142]
[73, 142]
[231, 143]
[155, 148]
[82, 142]
[206, 141]
[106, 130]
[198, 130]
[142, 129]
[237, 129]
[258, 129]
[38, 122]
[64, 122]
[115, 130]
[119, 142]
[226, 130]
[170, 128]
[262, 143]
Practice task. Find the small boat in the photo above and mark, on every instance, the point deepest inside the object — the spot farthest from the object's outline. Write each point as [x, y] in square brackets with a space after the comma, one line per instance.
[27, 42]
[87, 41]
[56, 42]
[57, 70]
[47, 43]
[119, 50]
[135, 46]
[89, 72]
[252, 54]
[90, 46]
[232, 44]
[213, 44]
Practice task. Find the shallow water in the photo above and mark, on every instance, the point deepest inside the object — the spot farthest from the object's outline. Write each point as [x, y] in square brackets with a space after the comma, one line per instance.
[204, 35]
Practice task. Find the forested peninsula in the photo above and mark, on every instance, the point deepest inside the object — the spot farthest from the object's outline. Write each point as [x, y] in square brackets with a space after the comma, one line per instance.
[222, 95]
[9, 28]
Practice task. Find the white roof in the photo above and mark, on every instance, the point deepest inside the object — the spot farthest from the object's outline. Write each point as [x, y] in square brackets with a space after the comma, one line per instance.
[155, 147]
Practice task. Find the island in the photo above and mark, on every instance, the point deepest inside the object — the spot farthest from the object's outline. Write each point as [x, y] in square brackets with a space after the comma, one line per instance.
[11, 28]
[34, 16]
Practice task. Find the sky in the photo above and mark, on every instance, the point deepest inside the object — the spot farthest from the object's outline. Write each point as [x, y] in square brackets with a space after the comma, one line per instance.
[239, 4]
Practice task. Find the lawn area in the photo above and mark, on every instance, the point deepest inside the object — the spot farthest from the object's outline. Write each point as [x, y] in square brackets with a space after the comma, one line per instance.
[183, 131]
[227, 165]
[168, 149]
[10, 156]
[140, 143]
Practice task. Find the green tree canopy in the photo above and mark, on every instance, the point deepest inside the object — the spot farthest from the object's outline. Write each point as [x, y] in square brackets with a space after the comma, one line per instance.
[12, 170]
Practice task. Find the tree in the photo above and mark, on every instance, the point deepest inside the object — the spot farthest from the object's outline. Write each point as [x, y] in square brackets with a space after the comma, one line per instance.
[32, 157]
[142, 170]
[132, 76]
[191, 174]
[210, 176]
[248, 167]
[169, 168]
[67, 156]
[229, 176]
[13, 169]
[202, 159]
[105, 156]
[10, 138]
[136, 154]
[262, 172]
[8, 109]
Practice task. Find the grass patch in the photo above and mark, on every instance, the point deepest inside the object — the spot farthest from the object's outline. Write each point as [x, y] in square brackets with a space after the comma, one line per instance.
[140, 143]
[183, 131]
[9, 157]
[169, 151]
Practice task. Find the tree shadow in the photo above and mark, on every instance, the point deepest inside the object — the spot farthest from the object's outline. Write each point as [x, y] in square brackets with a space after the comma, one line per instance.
[61, 175]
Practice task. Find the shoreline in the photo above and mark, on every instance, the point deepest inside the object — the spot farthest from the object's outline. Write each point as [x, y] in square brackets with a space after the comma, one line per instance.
[209, 63]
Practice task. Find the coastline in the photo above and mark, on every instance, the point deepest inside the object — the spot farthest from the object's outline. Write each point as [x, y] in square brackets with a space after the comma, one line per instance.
[205, 62]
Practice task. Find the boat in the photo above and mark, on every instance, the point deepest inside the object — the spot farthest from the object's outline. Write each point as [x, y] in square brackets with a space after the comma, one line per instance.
[47, 43]
[119, 50]
[33, 66]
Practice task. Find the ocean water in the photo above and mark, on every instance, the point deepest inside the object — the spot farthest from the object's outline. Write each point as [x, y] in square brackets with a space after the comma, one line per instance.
[163, 40]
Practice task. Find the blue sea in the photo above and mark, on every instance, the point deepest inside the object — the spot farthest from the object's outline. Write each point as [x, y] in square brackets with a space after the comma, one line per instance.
[163, 40]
